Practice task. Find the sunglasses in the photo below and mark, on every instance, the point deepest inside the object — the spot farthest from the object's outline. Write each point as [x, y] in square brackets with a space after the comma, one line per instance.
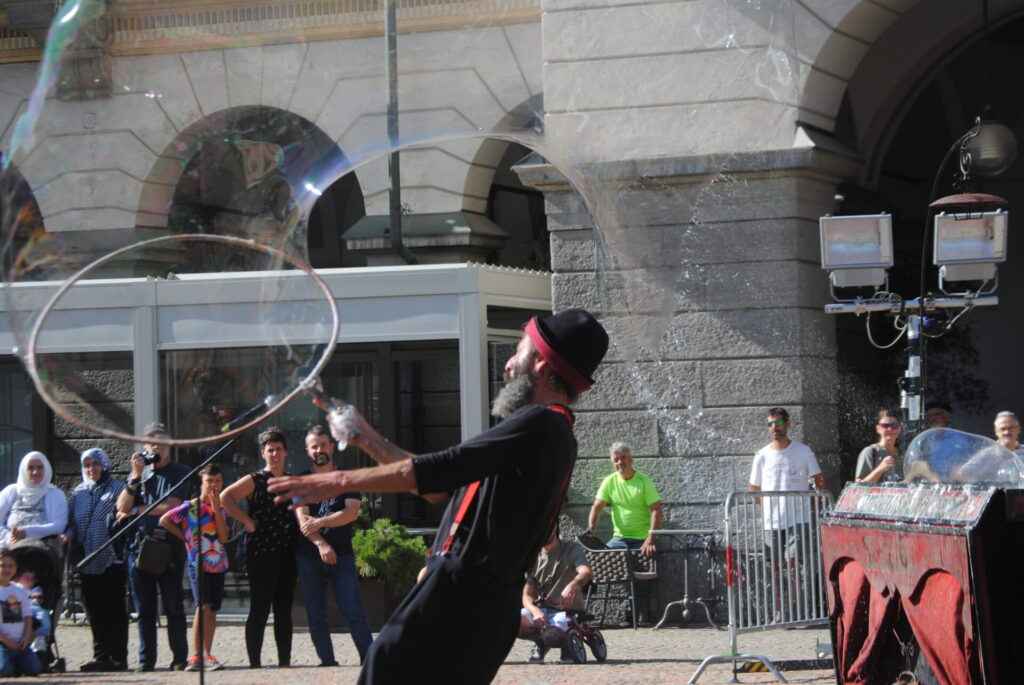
[888, 425]
[777, 423]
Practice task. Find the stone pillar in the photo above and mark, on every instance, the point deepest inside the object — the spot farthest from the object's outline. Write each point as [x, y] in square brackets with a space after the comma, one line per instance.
[735, 239]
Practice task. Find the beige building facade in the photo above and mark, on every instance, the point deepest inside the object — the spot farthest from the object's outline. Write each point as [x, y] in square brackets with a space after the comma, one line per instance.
[667, 162]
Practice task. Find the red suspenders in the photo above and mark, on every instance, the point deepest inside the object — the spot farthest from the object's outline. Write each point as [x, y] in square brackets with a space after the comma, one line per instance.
[467, 499]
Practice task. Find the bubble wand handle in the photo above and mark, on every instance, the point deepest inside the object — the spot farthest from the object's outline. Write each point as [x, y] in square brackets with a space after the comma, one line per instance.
[340, 416]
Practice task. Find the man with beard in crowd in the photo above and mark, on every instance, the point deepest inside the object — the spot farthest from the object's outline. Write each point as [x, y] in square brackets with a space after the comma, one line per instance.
[508, 483]
[325, 554]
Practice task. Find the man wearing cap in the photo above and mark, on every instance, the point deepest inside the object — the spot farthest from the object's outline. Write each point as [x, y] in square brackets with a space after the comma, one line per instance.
[146, 484]
[508, 484]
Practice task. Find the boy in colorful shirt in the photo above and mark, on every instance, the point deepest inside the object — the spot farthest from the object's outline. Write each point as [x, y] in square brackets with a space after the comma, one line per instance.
[181, 521]
[16, 657]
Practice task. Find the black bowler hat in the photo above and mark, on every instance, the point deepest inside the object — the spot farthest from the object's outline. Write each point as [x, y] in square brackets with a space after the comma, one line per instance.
[573, 342]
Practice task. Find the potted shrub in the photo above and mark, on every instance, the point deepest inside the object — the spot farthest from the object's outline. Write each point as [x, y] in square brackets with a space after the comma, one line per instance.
[388, 559]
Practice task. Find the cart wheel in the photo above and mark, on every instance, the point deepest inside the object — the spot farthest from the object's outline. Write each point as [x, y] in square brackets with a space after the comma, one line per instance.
[576, 649]
[597, 645]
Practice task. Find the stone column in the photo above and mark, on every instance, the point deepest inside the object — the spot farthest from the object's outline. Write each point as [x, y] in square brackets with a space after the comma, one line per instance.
[735, 241]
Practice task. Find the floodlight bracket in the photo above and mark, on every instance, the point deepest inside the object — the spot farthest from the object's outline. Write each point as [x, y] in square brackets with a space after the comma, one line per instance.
[968, 272]
[861, 304]
[859, 278]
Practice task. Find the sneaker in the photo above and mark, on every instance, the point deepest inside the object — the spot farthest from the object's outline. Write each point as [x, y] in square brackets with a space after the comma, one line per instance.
[210, 663]
[328, 664]
[178, 666]
[145, 669]
[537, 654]
[192, 665]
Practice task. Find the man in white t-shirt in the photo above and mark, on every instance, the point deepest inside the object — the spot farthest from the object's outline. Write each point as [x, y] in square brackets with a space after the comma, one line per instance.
[784, 464]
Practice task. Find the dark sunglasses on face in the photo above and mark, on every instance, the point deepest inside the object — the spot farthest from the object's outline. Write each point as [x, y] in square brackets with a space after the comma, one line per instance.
[888, 425]
[777, 422]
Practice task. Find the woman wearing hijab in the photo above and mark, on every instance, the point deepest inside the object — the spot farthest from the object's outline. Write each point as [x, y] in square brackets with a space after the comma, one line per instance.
[91, 510]
[33, 507]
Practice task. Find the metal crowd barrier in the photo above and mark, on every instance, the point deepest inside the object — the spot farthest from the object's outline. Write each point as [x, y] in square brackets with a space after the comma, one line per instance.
[774, 571]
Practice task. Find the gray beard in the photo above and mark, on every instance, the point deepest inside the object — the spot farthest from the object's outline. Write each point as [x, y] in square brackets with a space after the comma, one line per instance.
[322, 461]
[515, 395]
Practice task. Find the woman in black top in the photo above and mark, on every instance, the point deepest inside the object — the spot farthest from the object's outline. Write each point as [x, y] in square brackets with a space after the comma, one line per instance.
[269, 550]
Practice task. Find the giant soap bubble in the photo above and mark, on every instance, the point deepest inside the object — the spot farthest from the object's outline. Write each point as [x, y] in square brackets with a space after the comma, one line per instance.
[945, 455]
[147, 122]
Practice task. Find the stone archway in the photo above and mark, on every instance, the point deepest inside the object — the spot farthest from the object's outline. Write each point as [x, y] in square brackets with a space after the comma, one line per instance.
[252, 171]
[872, 61]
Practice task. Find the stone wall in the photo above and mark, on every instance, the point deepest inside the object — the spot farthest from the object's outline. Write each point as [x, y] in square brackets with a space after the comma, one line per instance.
[105, 397]
[745, 331]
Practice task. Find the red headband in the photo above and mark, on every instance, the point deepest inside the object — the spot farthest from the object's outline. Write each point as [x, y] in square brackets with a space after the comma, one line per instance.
[574, 378]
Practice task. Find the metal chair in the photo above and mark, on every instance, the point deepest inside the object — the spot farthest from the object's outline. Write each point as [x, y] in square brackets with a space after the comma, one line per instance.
[616, 573]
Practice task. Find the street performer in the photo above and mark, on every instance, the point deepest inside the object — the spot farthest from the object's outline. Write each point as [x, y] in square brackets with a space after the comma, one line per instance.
[508, 483]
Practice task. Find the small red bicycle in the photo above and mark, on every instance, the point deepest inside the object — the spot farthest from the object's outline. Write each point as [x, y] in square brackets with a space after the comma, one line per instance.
[578, 633]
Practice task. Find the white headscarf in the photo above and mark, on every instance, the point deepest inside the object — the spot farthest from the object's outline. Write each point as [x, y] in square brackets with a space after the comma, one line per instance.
[28, 493]
[96, 455]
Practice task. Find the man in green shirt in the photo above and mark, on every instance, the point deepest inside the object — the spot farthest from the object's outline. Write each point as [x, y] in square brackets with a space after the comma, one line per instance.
[635, 502]
[636, 511]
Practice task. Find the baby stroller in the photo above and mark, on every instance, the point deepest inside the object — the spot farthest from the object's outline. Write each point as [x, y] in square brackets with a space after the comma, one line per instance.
[44, 559]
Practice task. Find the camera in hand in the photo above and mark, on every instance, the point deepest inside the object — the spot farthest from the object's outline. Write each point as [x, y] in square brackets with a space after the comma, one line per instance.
[150, 457]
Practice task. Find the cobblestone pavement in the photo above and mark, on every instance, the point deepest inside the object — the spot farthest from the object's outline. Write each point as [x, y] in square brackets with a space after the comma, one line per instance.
[643, 656]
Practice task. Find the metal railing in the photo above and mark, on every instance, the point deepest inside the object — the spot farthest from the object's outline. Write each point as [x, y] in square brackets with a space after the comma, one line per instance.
[774, 571]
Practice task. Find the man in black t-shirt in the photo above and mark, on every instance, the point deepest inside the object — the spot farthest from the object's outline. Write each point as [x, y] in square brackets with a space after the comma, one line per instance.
[325, 554]
[459, 622]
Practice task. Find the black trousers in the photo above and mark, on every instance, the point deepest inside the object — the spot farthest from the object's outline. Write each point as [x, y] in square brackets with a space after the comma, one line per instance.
[271, 586]
[451, 628]
[104, 597]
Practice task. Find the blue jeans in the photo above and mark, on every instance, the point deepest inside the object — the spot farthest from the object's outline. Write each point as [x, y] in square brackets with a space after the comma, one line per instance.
[313, 578]
[144, 588]
[19, 662]
[643, 588]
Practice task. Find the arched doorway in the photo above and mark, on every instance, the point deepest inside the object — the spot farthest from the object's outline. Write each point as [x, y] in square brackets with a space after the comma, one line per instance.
[254, 172]
[966, 366]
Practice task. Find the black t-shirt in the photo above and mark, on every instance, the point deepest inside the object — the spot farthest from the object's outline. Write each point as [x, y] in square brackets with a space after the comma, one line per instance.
[276, 527]
[338, 537]
[524, 464]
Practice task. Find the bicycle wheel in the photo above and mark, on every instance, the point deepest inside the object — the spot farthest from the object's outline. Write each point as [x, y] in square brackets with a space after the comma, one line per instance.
[576, 649]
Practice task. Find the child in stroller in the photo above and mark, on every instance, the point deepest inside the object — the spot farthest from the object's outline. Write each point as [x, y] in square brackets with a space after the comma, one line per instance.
[40, 569]
[40, 616]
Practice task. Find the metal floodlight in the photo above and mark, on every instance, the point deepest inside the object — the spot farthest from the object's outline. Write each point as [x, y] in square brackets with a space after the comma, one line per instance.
[857, 250]
[968, 246]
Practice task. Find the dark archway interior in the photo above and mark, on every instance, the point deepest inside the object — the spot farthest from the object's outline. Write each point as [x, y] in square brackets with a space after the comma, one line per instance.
[21, 222]
[249, 167]
[519, 210]
[970, 367]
